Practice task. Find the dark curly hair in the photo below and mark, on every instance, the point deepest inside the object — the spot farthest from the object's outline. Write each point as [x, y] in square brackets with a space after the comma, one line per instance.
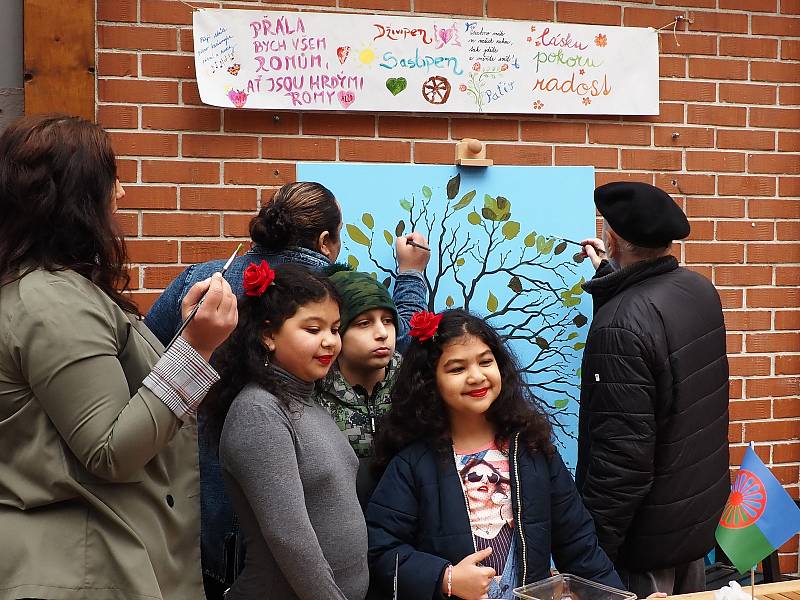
[297, 215]
[240, 360]
[57, 177]
[418, 413]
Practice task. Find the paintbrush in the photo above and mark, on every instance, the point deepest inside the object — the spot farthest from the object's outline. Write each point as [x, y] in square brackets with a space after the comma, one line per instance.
[416, 245]
[569, 241]
[191, 315]
[396, 571]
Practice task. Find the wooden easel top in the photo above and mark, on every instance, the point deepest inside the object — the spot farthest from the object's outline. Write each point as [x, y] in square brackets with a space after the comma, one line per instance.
[781, 590]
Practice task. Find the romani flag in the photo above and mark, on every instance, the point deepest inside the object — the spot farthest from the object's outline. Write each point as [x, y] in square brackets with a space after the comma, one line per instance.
[759, 516]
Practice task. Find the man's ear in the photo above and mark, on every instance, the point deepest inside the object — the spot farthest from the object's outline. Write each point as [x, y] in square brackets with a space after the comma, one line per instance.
[323, 244]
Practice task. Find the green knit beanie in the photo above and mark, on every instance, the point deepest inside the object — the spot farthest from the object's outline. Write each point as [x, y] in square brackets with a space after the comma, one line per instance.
[360, 293]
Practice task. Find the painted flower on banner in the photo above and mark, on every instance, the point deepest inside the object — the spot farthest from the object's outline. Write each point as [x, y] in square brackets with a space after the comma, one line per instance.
[476, 66]
[462, 88]
[504, 68]
[237, 97]
[600, 40]
[538, 105]
[587, 101]
[582, 72]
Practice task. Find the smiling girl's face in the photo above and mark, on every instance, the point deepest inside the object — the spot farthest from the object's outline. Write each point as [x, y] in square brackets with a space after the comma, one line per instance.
[308, 342]
[467, 377]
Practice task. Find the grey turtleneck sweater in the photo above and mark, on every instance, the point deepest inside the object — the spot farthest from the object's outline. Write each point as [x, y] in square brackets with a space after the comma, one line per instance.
[291, 475]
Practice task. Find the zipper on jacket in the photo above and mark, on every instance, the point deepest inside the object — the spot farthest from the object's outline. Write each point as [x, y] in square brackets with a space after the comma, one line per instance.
[519, 511]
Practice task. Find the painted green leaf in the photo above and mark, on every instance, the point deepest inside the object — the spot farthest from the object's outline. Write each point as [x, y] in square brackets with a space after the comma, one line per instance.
[572, 335]
[515, 284]
[405, 204]
[542, 343]
[465, 200]
[570, 301]
[511, 230]
[387, 282]
[489, 214]
[388, 237]
[579, 346]
[540, 242]
[452, 186]
[530, 239]
[357, 235]
[578, 257]
[502, 203]
[460, 262]
[474, 218]
[578, 371]
[577, 289]
[448, 302]
[491, 303]
[560, 248]
[352, 261]
[548, 247]
[401, 227]
[580, 320]
[560, 404]
[367, 220]
[426, 191]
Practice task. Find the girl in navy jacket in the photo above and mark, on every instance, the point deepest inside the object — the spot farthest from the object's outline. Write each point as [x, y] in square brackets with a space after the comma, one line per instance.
[474, 498]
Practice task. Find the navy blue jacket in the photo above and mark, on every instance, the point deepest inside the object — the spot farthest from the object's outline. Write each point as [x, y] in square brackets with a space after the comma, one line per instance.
[418, 512]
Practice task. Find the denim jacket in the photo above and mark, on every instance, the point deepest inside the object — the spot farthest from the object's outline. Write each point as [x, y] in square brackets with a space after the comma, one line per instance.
[220, 548]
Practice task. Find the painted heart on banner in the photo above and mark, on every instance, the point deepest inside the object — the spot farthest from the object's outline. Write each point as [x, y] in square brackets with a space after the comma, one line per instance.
[343, 52]
[346, 98]
[396, 85]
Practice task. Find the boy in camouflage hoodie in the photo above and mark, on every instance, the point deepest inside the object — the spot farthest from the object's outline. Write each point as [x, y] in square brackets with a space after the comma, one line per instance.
[357, 388]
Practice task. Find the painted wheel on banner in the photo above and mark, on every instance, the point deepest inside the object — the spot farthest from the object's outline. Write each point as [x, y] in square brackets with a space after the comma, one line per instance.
[746, 503]
[436, 89]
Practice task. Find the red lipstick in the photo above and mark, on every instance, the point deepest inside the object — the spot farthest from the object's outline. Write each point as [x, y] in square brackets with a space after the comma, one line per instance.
[325, 359]
[478, 393]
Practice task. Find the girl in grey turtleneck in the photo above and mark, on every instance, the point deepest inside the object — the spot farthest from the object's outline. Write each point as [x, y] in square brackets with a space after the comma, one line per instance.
[290, 472]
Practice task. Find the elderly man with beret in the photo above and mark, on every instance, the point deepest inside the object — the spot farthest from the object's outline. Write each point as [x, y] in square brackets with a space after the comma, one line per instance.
[653, 428]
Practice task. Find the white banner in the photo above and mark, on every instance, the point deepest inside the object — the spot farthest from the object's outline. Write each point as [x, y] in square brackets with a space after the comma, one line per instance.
[356, 62]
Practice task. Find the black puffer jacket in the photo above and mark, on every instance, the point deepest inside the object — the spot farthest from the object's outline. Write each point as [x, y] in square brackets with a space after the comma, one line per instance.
[653, 434]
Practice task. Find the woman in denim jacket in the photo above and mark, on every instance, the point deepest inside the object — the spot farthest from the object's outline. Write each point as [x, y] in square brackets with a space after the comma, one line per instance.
[301, 224]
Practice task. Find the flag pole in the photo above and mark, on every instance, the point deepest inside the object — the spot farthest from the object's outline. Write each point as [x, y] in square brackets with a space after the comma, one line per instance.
[753, 582]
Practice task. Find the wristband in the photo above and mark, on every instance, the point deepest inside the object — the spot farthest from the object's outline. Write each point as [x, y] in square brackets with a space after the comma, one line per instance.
[449, 580]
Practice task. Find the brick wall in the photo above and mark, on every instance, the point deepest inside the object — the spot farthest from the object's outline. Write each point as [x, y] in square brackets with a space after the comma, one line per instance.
[726, 144]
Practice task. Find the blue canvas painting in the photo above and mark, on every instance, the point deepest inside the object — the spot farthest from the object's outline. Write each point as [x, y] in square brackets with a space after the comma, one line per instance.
[498, 248]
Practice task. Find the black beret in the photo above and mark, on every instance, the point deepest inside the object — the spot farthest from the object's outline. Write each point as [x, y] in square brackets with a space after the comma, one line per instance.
[641, 214]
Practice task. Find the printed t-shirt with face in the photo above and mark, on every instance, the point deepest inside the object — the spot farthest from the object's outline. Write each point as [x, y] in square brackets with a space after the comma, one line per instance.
[486, 483]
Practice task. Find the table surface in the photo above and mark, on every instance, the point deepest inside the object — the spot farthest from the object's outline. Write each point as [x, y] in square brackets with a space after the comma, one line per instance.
[782, 590]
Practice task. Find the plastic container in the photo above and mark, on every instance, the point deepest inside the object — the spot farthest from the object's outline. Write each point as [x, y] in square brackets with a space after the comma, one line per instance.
[570, 587]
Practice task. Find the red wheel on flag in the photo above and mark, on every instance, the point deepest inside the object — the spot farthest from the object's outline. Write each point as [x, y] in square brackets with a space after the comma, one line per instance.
[746, 503]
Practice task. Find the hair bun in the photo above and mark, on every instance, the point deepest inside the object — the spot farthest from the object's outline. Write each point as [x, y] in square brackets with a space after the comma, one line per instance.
[272, 228]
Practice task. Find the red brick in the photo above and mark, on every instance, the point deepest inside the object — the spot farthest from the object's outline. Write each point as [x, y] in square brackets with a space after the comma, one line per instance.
[687, 43]
[656, 160]
[774, 71]
[787, 563]
[578, 155]
[258, 173]
[450, 7]
[136, 38]
[149, 196]
[715, 21]
[485, 129]
[603, 177]
[772, 430]
[684, 183]
[731, 298]
[773, 297]
[647, 17]
[144, 300]
[769, 209]
[772, 386]
[223, 146]
[180, 118]
[705, 114]
[737, 452]
[697, 91]
[152, 251]
[624, 135]
[790, 49]
[688, 137]
[789, 141]
[590, 14]
[713, 68]
[742, 275]
[362, 125]
[715, 207]
[180, 224]
[783, 453]
[237, 225]
[713, 253]
[185, 40]
[748, 410]
[773, 163]
[190, 94]
[704, 270]
[784, 26]
[787, 365]
[128, 223]
[137, 91]
[786, 407]
[672, 66]
[715, 161]
[520, 154]
[735, 185]
[160, 277]
[743, 93]
[180, 171]
[411, 127]
[787, 319]
[399, 5]
[529, 10]
[775, 117]
[735, 433]
[118, 117]
[127, 170]
[789, 94]
[747, 320]
[701, 230]
[117, 64]
[256, 121]
[144, 144]
[736, 388]
[749, 5]
[374, 151]
[788, 231]
[746, 46]
[668, 112]
[299, 148]
[216, 198]
[787, 275]
[119, 10]
[746, 140]
[549, 131]
[168, 12]
[168, 65]
[788, 186]
[775, 253]
[428, 153]
[195, 252]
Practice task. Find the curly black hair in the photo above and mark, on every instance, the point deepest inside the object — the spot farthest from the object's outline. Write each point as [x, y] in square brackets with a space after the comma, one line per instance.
[240, 360]
[418, 413]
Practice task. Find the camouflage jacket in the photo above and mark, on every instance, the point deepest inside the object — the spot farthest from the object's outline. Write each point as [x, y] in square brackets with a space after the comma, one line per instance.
[354, 411]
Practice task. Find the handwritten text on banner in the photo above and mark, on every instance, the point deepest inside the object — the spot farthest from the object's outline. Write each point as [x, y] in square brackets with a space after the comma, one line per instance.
[323, 61]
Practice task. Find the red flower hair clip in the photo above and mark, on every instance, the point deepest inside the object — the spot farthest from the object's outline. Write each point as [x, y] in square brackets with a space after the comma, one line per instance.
[257, 278]
[424, 325]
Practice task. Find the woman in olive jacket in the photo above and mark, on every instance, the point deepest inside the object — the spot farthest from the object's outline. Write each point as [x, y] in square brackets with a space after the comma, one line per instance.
[98, 479]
